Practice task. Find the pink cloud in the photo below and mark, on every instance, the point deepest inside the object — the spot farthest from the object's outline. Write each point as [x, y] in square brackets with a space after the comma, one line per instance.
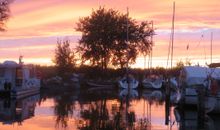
[42, 21]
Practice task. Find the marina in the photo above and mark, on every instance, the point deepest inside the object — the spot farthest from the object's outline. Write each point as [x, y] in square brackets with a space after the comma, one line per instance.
[109, 65]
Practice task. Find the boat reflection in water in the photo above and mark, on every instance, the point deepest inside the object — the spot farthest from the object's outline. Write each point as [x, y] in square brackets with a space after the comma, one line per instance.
[89, 109]
[12, 111]
[127, 110]
[190, 120]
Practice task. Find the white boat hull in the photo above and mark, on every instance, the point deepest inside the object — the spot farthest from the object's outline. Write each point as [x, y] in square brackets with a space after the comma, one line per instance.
[212, 103]
[20, 93]
[123, 83]
[132, 93]
[157, 84]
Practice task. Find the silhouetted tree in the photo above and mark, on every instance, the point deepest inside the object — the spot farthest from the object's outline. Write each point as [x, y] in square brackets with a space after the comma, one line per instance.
[64, 57]
[180, 64]
[4, 13]
[125, 52]
[104, 38]
[98, 35]
[188, 62]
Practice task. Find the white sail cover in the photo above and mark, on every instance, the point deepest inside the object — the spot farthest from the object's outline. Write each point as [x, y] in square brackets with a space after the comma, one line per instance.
[195, 75]
[9, 64]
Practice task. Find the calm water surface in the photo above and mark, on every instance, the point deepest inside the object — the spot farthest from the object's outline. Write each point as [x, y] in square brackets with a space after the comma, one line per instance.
[95, 110]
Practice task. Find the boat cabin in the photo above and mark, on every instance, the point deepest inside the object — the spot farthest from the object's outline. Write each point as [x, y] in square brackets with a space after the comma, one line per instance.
[196, 75]
[16, 76]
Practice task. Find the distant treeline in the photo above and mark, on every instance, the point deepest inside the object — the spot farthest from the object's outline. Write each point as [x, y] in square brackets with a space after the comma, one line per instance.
[89, 72]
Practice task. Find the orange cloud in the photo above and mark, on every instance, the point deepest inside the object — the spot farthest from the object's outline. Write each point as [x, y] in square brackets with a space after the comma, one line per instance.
[57, 18]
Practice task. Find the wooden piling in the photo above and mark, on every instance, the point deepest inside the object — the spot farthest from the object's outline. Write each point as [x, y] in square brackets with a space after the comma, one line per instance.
[201, 107]
[167, 102]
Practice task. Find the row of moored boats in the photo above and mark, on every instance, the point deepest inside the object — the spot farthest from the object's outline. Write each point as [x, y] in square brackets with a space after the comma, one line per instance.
[188, 86]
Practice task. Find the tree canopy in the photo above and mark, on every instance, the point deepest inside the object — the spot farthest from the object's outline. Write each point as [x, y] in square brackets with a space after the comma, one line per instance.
[104, 38]
[4, 13]
[64, 57]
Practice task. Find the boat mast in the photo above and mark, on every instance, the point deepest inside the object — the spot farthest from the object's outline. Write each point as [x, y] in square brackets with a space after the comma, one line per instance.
[151, 51]
[127, 59]
[127, 36]
[211, 46]
[172, 34]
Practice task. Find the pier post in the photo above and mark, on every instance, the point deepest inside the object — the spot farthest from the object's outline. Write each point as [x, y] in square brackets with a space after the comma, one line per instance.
[201, 107]
[167, 102]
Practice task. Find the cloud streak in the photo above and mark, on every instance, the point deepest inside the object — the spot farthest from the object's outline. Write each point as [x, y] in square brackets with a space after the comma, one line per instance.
[37, 24]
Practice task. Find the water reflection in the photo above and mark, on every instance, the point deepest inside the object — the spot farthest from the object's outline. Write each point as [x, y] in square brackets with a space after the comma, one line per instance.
[89, 109]
[64, 106]
[96, 116]
[12, 111]
[189, 120]
[109, 114]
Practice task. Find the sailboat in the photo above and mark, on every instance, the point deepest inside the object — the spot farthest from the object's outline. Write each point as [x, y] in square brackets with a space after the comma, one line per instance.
[152, 81]
[128, 81]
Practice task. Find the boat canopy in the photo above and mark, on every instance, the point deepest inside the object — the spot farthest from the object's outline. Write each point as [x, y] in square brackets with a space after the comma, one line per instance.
[9, 64]
[195, 75]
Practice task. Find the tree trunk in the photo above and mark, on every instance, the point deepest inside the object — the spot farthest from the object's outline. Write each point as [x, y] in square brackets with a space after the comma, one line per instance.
[121, 64]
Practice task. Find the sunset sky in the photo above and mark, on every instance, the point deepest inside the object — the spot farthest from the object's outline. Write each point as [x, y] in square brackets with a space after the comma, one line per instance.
[35, 26]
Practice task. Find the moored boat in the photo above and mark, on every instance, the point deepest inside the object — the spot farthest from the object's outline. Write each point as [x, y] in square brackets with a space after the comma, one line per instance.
[153, 82]
[18, 80]
[196, 75]
[128, 82]
[200, 81]
[100, 84]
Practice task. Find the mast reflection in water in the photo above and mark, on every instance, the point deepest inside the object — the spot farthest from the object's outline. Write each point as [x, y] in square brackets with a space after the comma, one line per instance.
[99, 110]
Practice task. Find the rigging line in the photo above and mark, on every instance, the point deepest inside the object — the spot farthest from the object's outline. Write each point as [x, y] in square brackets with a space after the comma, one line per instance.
[200, 41]
[202, 36]
[144, 108]
[211, 46]
[150, 116]
[204, 52]
[152, 44]
[145, 61]
[172, 40]
[147, 109]
[168, 57]
[149, 61]
[127, 34]
[187, 50]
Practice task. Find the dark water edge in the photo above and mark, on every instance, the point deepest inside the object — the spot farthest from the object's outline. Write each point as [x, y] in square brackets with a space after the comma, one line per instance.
[91, 109]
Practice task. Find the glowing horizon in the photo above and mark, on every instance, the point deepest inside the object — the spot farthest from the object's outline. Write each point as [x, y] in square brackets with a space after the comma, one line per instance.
[35, 26]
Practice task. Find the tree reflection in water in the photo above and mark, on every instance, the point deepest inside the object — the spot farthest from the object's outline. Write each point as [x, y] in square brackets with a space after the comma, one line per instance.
[102, 111]
[63, 110]
[99, 116]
